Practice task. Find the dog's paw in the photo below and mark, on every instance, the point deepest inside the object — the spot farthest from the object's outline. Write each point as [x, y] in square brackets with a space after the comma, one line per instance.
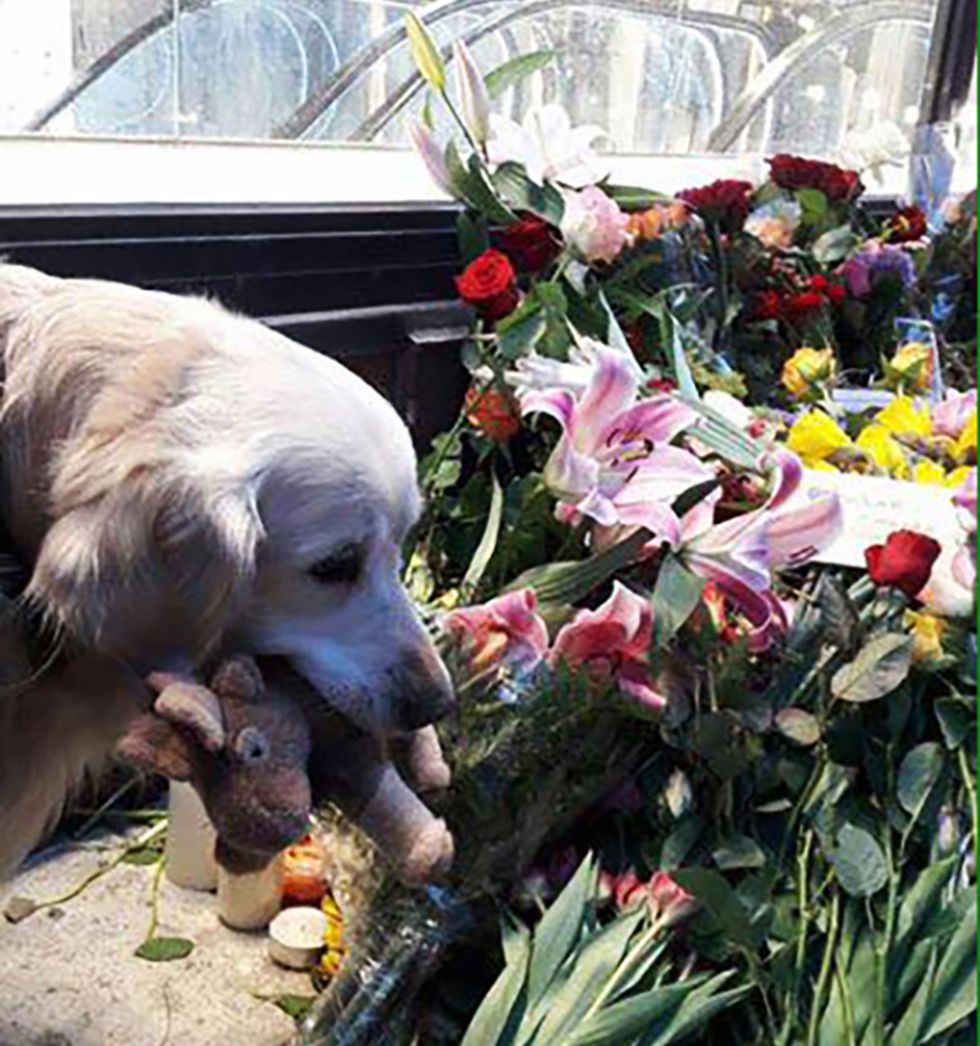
[431, 855]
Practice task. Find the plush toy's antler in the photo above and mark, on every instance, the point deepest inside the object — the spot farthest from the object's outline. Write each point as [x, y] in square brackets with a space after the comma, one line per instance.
[185, 703]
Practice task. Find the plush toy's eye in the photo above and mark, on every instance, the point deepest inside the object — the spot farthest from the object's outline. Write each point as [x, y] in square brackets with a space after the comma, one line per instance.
[342, 567]
[251, 745]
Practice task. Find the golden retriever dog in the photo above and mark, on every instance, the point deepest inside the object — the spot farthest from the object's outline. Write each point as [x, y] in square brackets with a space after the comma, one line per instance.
[176, 479]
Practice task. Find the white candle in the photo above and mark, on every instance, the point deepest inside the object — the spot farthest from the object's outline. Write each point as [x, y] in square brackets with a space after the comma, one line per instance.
[250, 901]
[190, 841]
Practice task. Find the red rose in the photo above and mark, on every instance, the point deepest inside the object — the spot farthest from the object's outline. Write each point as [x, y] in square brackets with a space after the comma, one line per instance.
[489, 284]
[794, 172]
[661, 386]
[768, 306]
[530, 243]
[725, 202]
[818, 283]
[495, 414]
[837, 294]
[800, 305]
[909, 224]
[904, 562]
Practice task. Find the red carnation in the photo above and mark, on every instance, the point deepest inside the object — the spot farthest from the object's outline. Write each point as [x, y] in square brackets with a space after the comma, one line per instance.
[489, 284]
[795, 172]
[768, 306]
[800, 305]
[904, 562]
[909, 224]
[725, 202]
[530, 243]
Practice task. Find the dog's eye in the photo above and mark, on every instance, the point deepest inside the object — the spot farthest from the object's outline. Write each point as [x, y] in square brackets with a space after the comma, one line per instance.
[251, 745]
[342, 567]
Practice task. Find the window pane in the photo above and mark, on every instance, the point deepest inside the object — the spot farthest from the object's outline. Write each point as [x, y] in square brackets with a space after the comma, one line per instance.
[723, 78]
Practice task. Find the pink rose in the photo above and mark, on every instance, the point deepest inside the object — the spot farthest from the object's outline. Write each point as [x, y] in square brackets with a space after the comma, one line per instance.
[593, 225]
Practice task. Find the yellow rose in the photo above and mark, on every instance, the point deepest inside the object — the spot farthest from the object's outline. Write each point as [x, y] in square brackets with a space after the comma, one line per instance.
[884, 450]
[912, 367]
[902, 418]
[927, 633]
[928, 471]
[807, 368]
[815, 437]
[965, 449]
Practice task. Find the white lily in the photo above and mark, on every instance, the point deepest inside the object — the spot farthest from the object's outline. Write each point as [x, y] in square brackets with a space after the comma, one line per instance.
[473, 95]
[547, 146]
[867, 152]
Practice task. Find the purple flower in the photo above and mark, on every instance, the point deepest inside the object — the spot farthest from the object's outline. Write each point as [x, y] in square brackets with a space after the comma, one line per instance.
[874, 261]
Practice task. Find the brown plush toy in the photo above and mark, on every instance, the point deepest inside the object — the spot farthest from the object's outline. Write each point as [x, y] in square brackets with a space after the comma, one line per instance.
[247, 749]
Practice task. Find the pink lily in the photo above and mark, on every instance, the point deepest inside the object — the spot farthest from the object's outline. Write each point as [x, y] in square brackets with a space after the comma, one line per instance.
[613, 463]
[740, 554]
[432, 156]
[613, 643]
[950, 416]
[507, 632]
[965, 561]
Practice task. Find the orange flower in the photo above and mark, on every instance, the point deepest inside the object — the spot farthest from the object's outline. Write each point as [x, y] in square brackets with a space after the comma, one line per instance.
[494, 413]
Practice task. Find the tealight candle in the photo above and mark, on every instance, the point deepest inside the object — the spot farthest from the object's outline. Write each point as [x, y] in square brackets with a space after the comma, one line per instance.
[296, 937]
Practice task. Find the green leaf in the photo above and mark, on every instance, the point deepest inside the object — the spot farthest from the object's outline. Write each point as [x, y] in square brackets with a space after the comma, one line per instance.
[164, 949]
[917, 776]
[860, 864]
[814, 204]
[488, 542]
[481, 192]
[295, 1006]
[571, 582]
[957, 720]
[499, 1015]
[512, 183]
[631, 198]
[619, 1023]
[834, 245]
[676, 596]
[954, 994]
[472, 237]
[593, 966]
[511, 73]
[720, 901]
[738, 851]
[520, 332]
[143, 856]
[698, 1009]
[680, 842]
[559, 929]
[880, 667]
[798, 726]
[425, 54]
[909, 1027]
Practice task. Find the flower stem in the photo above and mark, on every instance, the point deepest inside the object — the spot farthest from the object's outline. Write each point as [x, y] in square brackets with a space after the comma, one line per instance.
[826, 968]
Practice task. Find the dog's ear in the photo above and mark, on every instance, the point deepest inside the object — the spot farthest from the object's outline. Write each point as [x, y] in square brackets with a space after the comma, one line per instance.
[149, 566]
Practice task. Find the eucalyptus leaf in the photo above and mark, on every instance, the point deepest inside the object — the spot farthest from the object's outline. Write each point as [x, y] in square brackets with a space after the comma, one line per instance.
[680, 842]
[917, 776]
[798, 726]
[879, 668]
[514, 71]
[835, 245]
[859, 862]
[164, 949]
[738, 851]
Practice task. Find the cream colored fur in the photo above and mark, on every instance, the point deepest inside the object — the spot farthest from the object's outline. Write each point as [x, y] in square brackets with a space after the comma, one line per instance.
[171, 472]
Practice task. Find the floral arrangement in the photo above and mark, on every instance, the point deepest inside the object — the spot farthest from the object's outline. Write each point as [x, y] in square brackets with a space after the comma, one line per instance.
[710, 787]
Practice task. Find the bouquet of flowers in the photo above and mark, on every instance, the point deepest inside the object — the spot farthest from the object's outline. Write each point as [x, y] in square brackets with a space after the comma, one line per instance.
[764, 769]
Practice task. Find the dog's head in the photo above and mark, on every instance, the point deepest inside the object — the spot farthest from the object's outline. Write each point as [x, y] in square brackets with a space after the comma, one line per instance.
[241, 490]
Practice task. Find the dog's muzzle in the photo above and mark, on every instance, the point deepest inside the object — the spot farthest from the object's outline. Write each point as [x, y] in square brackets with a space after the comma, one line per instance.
[421, 692]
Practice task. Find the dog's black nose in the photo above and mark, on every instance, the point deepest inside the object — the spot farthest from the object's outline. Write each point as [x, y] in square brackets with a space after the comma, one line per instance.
[422, 692]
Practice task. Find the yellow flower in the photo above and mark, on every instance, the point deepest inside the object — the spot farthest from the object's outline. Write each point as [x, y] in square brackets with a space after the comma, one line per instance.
[927, 633]
[902, 418]
[807, 368]
[958, 477]
[884, 450]
[965, 449]
[335, 949]
[815, 437]
[928, 471]
[912, 367]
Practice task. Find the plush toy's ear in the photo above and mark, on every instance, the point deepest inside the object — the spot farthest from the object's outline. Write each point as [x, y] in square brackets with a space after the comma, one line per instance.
[239, 679]
[156, 746]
